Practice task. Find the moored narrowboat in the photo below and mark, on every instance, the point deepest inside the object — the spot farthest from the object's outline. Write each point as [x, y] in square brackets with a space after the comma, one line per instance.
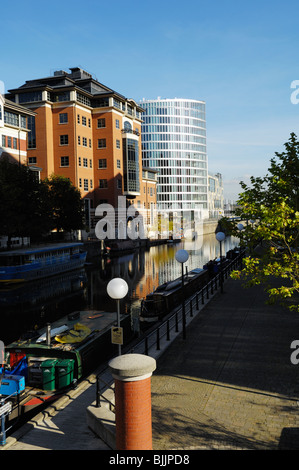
[170, 294]
[39, 262]
[42, 368]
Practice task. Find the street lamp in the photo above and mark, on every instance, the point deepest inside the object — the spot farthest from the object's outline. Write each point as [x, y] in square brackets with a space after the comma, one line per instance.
[182, 256]
[117, 289]
[220, 236]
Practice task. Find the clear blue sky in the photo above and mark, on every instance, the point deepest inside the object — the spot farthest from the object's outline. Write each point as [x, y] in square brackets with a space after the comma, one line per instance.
[240, 57]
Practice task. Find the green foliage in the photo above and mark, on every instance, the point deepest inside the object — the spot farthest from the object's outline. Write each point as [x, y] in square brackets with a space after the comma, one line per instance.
[272, 202]
[29, 207]
[67, 205]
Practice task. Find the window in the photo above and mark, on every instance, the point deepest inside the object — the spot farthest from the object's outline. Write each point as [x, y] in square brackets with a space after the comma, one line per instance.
[101, 123]
[64, 161]
[118, 183]
[9, 142]
[78, 118]
[117, 143]
[84, 121]
[91, 184]
[14, 143]
[79, 140]
[32, 160]
[101, 143]
[0, 112]
[90, 143]
[31, 134]
[63, 118]
[90, 163]
[89, 123]
[85, 184]
[64, 140]
[85, 162]
[84, 141]
[117, 123]
[102, 163]
[23, 122]
[11, 118]
[79, 161]
[80, 182]
[3, 141]
[103, 184]
[118, 163]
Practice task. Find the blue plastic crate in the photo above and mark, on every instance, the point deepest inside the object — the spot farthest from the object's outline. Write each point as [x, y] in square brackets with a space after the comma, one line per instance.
[12, 384]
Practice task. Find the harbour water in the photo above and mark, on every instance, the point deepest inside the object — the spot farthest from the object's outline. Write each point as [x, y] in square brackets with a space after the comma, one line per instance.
[32, 305]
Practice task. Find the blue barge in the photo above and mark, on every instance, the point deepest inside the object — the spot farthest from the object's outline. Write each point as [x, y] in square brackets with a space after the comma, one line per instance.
[29, 264]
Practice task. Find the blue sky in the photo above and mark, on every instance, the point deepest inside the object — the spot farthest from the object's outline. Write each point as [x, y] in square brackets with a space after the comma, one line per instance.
[239, 57]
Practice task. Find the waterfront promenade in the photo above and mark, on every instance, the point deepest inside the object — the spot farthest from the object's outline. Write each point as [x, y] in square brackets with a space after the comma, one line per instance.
[229, 385]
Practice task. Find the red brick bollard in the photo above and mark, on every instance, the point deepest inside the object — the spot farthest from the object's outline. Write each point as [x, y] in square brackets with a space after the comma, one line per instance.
[133, 409]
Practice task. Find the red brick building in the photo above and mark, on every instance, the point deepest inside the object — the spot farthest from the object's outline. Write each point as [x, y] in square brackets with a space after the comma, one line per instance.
[89, 133]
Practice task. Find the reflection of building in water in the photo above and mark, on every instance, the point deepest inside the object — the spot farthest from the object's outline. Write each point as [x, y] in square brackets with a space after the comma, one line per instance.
[129, 267]
[215, 196]
[34, 303]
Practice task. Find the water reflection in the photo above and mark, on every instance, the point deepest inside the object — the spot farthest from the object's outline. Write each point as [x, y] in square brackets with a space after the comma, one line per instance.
[145, 270]
[32, 305]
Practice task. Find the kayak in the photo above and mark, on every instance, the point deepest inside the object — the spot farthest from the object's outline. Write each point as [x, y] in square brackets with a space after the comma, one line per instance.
[75, 335]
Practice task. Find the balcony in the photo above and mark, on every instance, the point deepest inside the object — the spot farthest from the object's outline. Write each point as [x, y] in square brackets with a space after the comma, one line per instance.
[130, 131]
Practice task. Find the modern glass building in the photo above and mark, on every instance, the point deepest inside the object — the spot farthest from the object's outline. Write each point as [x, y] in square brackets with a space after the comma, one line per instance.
[174, 143]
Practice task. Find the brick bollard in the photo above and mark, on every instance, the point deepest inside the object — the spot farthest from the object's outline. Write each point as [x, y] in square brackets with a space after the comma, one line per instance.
[133, 406]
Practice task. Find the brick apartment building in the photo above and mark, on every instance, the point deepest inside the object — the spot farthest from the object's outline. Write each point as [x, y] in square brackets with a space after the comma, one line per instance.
[85, 131]
[13, 130]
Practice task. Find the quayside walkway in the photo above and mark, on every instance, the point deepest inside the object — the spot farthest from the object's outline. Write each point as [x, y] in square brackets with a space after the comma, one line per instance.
[229, 385]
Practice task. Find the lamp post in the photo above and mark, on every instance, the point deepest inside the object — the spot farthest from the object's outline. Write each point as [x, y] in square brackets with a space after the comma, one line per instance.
[117, 289]
[220, 236]
[182, 256]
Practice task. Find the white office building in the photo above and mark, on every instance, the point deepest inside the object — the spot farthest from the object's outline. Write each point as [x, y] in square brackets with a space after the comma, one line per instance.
[174, 143]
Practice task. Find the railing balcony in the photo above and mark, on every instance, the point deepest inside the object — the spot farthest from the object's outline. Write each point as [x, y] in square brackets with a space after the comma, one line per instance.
[130, 131]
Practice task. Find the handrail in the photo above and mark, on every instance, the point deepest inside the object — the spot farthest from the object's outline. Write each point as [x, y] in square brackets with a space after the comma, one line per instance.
[172, 322]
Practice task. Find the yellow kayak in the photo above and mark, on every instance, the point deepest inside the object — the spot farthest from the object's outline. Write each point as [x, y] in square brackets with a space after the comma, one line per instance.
[77, 334]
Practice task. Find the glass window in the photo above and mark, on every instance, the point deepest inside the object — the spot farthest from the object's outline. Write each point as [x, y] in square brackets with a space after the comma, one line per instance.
[63, 118]
[29, 97]
[64, 140]
[101, 143]
[103, 184]
[102, 163]
[101, 123]
[64, 161]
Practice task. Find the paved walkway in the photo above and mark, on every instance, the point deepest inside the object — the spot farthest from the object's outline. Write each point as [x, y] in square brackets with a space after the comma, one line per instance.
[229, 385]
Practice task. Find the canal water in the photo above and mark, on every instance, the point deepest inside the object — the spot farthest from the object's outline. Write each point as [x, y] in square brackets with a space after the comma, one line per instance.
[30, 306]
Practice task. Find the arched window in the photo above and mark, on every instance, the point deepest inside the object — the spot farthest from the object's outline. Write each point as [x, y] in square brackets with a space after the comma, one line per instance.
[127, 126]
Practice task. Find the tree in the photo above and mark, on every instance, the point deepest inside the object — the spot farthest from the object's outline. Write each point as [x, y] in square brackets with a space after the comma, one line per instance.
[271, 207]
[66, 203]
[22, 212]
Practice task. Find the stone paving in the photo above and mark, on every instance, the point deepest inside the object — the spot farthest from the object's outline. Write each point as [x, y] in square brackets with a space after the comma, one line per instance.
[230, 384]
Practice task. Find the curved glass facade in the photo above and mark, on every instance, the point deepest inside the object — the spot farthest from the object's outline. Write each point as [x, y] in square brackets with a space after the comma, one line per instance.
[174, 143]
